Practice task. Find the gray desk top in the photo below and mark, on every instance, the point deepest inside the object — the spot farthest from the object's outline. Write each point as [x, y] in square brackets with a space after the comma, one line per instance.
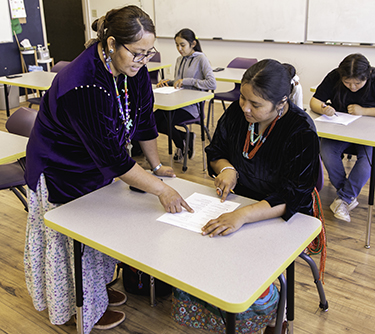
[229, 272]
[34, 80]
[230, 75]
[361, 131]
[12, 147]
[181, 98]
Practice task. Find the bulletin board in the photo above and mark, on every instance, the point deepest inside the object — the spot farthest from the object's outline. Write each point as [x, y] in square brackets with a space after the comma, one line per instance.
[6, 35]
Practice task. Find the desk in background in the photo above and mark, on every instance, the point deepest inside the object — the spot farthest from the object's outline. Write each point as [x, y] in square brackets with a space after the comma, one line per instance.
[156, 66]
[180, 99]
[174, 254]
[361, 131]
[12, 147]
[230, 75]
[39, 80]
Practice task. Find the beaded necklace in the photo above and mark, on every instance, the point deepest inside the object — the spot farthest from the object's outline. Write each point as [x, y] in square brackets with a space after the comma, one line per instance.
[258, 141]
[124, 116]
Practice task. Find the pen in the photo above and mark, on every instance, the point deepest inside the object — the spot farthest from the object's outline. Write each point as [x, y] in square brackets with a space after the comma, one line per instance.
[219, 191]
[334, 114]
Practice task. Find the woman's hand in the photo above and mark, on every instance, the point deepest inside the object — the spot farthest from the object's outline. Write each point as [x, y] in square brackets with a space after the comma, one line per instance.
[165, 171]
[225, 224]
[328, 110]
[225, 183]
[178, 83]
[162, 83]
[355, 109]
[172, 201]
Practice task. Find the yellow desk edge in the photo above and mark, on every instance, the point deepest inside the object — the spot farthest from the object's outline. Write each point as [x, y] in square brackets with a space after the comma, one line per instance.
[181, 105]
[228, 307]
[12, 158]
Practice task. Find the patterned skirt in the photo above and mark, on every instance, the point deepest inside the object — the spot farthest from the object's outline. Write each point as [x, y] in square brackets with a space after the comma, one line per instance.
[190, 311]
[49, 267]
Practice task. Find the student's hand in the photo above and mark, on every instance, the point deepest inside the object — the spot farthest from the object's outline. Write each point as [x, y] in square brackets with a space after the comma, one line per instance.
[172, 201]
[328, 110]
[178, 83]
[355, 109]
[225, 224]
[165, 171]
[225, 183]
[162, 83]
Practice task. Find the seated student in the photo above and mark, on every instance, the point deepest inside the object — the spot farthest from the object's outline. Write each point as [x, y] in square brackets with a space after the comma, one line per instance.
[265, 148]
[192, 71]
[296, 94]
[350, 88]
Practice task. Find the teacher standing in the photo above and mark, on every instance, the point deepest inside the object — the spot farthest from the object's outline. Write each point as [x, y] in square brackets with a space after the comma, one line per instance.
[95, 106]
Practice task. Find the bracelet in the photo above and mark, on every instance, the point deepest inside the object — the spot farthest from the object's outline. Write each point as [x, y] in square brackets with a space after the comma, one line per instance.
[230, 167]
[154, 170]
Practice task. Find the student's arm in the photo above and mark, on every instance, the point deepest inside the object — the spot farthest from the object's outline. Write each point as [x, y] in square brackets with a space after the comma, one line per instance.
[321, 108]
[208, 81]
[356, 109]
[228, 223]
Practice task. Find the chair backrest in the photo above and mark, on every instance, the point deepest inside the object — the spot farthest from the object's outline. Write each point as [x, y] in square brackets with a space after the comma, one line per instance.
[59, 66]
[156, 58]
[244, 63]
[154, 75]
[21, 121]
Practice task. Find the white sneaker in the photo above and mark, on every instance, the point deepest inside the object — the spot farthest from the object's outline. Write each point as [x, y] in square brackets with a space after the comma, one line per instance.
[341, 209]
[336, 203]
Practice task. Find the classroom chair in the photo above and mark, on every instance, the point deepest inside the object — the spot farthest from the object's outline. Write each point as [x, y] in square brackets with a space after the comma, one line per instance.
[204, 130]
[59, 66]
[154, 75]
[21, 123]
[233, 94]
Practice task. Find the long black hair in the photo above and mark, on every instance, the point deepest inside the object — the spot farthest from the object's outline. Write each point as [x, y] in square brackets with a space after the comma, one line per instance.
[189, 35]
[269, 79]
[126, 25]
[353, 66]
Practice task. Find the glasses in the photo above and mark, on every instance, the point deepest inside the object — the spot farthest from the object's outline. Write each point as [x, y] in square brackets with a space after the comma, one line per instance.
[138, 57]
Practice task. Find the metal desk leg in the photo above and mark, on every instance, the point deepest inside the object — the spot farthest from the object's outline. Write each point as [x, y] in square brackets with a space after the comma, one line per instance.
[231, 323]
[201, 116]
[290, 297]
[152, 291]
[79, 289]
[370, 199]
[6, 99]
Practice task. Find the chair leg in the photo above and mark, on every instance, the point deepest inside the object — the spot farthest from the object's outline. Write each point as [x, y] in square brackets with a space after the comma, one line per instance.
[186, 148]
[20, 193]
[222, 102]
[209, 112]
[281, 307]
[323, 302]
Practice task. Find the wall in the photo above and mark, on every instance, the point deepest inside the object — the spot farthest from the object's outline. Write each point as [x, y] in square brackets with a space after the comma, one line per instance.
[312, 61]
[10, 61]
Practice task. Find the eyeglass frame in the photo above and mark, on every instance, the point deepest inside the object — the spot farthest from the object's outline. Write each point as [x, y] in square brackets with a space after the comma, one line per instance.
[148, 55]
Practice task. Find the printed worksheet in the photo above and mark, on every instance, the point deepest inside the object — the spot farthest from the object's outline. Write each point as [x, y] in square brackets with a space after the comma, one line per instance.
[338, 118]
[205, 208]
[166, 90]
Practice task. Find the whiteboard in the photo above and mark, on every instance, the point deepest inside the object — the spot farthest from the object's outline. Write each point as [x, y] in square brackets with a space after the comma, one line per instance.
[242, 20]
[5, 23]
[344, 21]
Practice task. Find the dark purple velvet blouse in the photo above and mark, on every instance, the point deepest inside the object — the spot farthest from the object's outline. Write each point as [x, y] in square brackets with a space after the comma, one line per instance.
[78, 140]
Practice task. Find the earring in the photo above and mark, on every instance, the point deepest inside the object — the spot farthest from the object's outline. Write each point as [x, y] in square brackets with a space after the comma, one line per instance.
[110, 50]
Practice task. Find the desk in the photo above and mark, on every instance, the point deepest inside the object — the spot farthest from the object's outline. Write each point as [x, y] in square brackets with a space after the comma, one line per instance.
[174, 255]
[180, 99]
[39, 80]
[12, 147]
[230, 75]
[156, 66]
[361, 131]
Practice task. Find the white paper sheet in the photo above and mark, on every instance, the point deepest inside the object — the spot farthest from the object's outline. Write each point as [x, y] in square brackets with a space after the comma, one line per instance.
[205, 208]
[341, 118]
[166, 90]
